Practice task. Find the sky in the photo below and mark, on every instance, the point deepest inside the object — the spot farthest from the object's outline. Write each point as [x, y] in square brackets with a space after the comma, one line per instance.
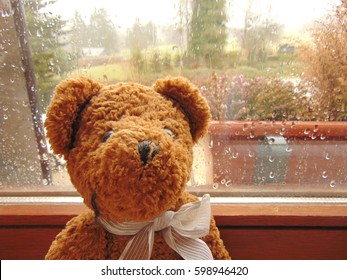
[292, 14]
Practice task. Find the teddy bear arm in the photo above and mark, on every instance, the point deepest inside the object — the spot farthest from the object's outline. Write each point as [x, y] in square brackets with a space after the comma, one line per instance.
[81, 239]
[215, 243]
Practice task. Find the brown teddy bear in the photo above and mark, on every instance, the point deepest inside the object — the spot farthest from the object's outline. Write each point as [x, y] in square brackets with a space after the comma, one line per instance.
[129, 150]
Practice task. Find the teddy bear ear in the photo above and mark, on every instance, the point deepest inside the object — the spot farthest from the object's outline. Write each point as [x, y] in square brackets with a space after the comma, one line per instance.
[68, 101]
[191, 101]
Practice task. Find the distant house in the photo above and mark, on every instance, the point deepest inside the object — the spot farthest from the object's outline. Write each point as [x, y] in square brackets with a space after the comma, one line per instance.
[286, 49]
[93, 52]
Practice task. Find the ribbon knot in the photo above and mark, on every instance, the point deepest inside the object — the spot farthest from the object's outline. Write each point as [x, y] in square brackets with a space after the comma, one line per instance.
[181, 231]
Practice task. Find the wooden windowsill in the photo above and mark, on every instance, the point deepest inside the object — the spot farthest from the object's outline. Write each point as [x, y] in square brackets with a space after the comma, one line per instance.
[267, 215]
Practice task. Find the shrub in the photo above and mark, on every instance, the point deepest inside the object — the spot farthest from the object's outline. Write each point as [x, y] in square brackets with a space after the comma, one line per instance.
[258, 98]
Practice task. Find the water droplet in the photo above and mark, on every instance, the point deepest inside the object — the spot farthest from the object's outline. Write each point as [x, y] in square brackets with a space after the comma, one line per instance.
[333, 184]
[271, 158]
[322, 137]
[271, 140]
[315, 128]
[45, 182]
[5, 117]
[223, 181]
[327, 156]
[307, 131]
[234, 155]
[228, 183]
[245, 127]
[215, 186]
[325, 174]
[210, 145]
[44, 156]
[43, 143]
[272, 175]
[251, 154]
[289, 149]
[282, 131]
[252, 135]
[60, 169]
[4, 108]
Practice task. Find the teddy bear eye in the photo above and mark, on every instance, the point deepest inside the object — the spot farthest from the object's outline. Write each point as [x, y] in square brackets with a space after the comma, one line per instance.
[169, 132]
[107, 135]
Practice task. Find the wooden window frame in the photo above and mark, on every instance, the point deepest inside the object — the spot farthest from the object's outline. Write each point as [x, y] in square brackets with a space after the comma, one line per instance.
[249, 231]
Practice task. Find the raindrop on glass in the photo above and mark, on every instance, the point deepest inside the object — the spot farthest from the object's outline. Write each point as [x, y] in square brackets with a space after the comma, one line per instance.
[215, 186]
[325, 174]
[251, 154]
[42, 143]
[333, 184]
[272, 175]
[271, 158]
[45, 182]
[289, 149]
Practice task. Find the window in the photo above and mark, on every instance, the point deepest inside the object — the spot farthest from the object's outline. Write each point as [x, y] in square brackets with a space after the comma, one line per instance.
[276, 84]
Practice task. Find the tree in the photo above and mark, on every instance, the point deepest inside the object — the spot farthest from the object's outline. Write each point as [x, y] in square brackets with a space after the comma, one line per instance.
[139, 38]
[79, 33]
[102, 32]
[208, 32]
[45, 33]
[182, 26]
[258, 33]
[326, 66]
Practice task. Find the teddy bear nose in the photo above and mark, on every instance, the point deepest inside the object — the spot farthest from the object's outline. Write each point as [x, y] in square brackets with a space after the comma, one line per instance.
[148, 150]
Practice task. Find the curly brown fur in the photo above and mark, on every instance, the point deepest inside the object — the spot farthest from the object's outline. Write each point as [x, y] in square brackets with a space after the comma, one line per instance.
[129, 154]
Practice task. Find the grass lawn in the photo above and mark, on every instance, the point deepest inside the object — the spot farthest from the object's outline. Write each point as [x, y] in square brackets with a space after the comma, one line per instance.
[124, 71]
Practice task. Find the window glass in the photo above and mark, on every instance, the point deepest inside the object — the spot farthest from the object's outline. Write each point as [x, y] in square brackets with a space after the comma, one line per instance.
[273, 72]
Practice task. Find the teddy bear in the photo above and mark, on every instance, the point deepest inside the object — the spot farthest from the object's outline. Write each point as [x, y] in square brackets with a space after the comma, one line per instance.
[129, 151]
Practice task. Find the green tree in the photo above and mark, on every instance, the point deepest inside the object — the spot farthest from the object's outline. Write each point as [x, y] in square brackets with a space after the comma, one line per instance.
[208, 32]
[45, 35]
[102, 32]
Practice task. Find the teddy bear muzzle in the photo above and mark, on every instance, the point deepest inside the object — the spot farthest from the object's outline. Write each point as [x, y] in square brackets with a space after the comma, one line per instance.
[147, 150]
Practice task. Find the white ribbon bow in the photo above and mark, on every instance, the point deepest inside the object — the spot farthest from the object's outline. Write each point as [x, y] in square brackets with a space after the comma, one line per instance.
[181, 231]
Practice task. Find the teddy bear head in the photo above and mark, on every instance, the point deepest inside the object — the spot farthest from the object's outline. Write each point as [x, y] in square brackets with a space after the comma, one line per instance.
[128, 147]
